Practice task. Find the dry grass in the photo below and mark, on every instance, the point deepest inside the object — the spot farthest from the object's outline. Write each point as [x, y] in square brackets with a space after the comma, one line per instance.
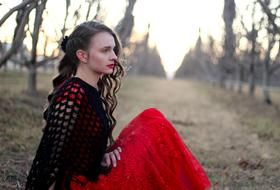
[229, 134]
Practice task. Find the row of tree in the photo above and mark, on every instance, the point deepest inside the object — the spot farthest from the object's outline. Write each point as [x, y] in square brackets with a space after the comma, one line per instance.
[250, 54]
[18, 54]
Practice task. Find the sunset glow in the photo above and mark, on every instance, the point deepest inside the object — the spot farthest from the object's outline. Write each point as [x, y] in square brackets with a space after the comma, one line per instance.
[174, 26]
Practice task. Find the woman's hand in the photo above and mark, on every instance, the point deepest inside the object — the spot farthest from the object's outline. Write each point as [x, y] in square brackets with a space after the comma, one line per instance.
[111, 157]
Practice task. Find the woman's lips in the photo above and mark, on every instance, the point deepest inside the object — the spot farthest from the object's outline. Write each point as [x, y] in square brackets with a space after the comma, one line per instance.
[111, 65]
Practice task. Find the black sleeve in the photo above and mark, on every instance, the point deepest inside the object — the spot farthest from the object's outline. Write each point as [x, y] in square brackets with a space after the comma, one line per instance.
[67, 143]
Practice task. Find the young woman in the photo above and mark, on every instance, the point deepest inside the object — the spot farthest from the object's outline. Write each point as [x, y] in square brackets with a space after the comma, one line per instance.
[73, 153]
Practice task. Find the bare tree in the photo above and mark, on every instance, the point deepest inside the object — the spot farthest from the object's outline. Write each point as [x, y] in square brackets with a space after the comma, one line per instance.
[125, 26]
[90, 3]
[28, 60]
[97, 15]
[98, 10]
[199, 62]
[252, 34]
[273, 33]
[145, 60]
[22, 19]
[227, 60]
[77, 15]
[22, 5]
[67, 5]
[32, 64]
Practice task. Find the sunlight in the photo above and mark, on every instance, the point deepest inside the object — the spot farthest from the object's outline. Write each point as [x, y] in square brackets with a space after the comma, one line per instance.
[174, 26]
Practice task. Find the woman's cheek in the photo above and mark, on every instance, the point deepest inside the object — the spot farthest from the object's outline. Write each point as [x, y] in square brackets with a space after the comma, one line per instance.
[98, 58]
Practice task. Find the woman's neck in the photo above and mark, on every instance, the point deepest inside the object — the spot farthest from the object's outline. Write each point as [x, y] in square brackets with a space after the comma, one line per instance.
[88, 76]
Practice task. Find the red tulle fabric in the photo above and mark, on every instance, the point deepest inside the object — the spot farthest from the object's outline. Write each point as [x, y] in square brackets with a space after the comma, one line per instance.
[153, 157]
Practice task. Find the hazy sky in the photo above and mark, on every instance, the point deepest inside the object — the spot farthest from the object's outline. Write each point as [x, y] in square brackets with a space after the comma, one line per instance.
[174, 24]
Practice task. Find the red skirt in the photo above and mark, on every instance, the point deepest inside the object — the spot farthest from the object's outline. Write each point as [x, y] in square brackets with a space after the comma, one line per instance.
[153, 157]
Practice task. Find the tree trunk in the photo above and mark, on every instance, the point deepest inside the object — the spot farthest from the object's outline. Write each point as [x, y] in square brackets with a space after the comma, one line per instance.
[5, 67]
[227, 60]
[266, 71]
[252, 80]
[222, 80]
[231, 82]
[31, 80]
[240, 79]
[266, 94]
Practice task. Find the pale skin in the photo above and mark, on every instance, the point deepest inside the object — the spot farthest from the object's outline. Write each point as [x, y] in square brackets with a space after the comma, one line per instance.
[93, 64]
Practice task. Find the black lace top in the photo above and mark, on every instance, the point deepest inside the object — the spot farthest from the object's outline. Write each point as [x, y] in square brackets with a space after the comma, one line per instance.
[74, 139]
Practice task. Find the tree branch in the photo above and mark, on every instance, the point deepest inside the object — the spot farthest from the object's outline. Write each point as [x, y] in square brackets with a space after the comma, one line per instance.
[46, 60]
[271, 17]
[12, 10]
[19, 35]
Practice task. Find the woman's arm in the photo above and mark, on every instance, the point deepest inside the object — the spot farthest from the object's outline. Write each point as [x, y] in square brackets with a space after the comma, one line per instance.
[67, 137]
[53, 152]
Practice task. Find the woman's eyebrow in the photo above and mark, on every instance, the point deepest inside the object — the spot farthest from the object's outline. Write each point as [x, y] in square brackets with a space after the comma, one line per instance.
[109, 46]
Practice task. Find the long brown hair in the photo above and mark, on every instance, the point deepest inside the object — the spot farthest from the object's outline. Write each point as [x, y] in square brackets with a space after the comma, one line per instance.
[108, 84]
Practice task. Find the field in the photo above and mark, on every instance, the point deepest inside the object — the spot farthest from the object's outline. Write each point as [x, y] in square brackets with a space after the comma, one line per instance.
[235, 138]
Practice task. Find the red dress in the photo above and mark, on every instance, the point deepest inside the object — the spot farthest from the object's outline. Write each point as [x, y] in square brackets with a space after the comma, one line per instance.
[153, 157]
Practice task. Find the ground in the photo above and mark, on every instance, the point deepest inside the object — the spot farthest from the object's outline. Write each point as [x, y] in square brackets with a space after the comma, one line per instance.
[235, 138]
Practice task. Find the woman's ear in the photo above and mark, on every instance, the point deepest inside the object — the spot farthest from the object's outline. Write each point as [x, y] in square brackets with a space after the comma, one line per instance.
[82, 55]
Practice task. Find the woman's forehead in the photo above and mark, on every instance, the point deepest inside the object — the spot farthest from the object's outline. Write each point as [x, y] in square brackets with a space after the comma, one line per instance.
[103, 39]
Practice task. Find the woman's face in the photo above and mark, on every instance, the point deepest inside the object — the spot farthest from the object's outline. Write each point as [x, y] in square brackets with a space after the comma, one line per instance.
[101, 53]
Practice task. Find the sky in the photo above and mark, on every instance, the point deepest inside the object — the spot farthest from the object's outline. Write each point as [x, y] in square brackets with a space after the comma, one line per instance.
[174, 27]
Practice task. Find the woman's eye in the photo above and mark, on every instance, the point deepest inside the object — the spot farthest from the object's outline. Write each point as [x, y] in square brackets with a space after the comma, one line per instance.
[105, 50]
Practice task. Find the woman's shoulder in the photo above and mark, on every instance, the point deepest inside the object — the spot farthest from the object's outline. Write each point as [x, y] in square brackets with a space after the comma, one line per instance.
[77, 85]
[75, 92]
[78, 82]
[70, 89]
[72, 86]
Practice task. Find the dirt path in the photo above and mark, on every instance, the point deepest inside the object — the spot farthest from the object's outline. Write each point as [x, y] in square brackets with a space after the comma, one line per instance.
[233, 156]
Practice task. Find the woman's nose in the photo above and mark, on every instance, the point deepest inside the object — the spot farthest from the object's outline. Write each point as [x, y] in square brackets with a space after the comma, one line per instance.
[114, 56]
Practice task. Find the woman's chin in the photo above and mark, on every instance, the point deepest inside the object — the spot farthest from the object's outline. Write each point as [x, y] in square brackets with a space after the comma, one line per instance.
[109, 71]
